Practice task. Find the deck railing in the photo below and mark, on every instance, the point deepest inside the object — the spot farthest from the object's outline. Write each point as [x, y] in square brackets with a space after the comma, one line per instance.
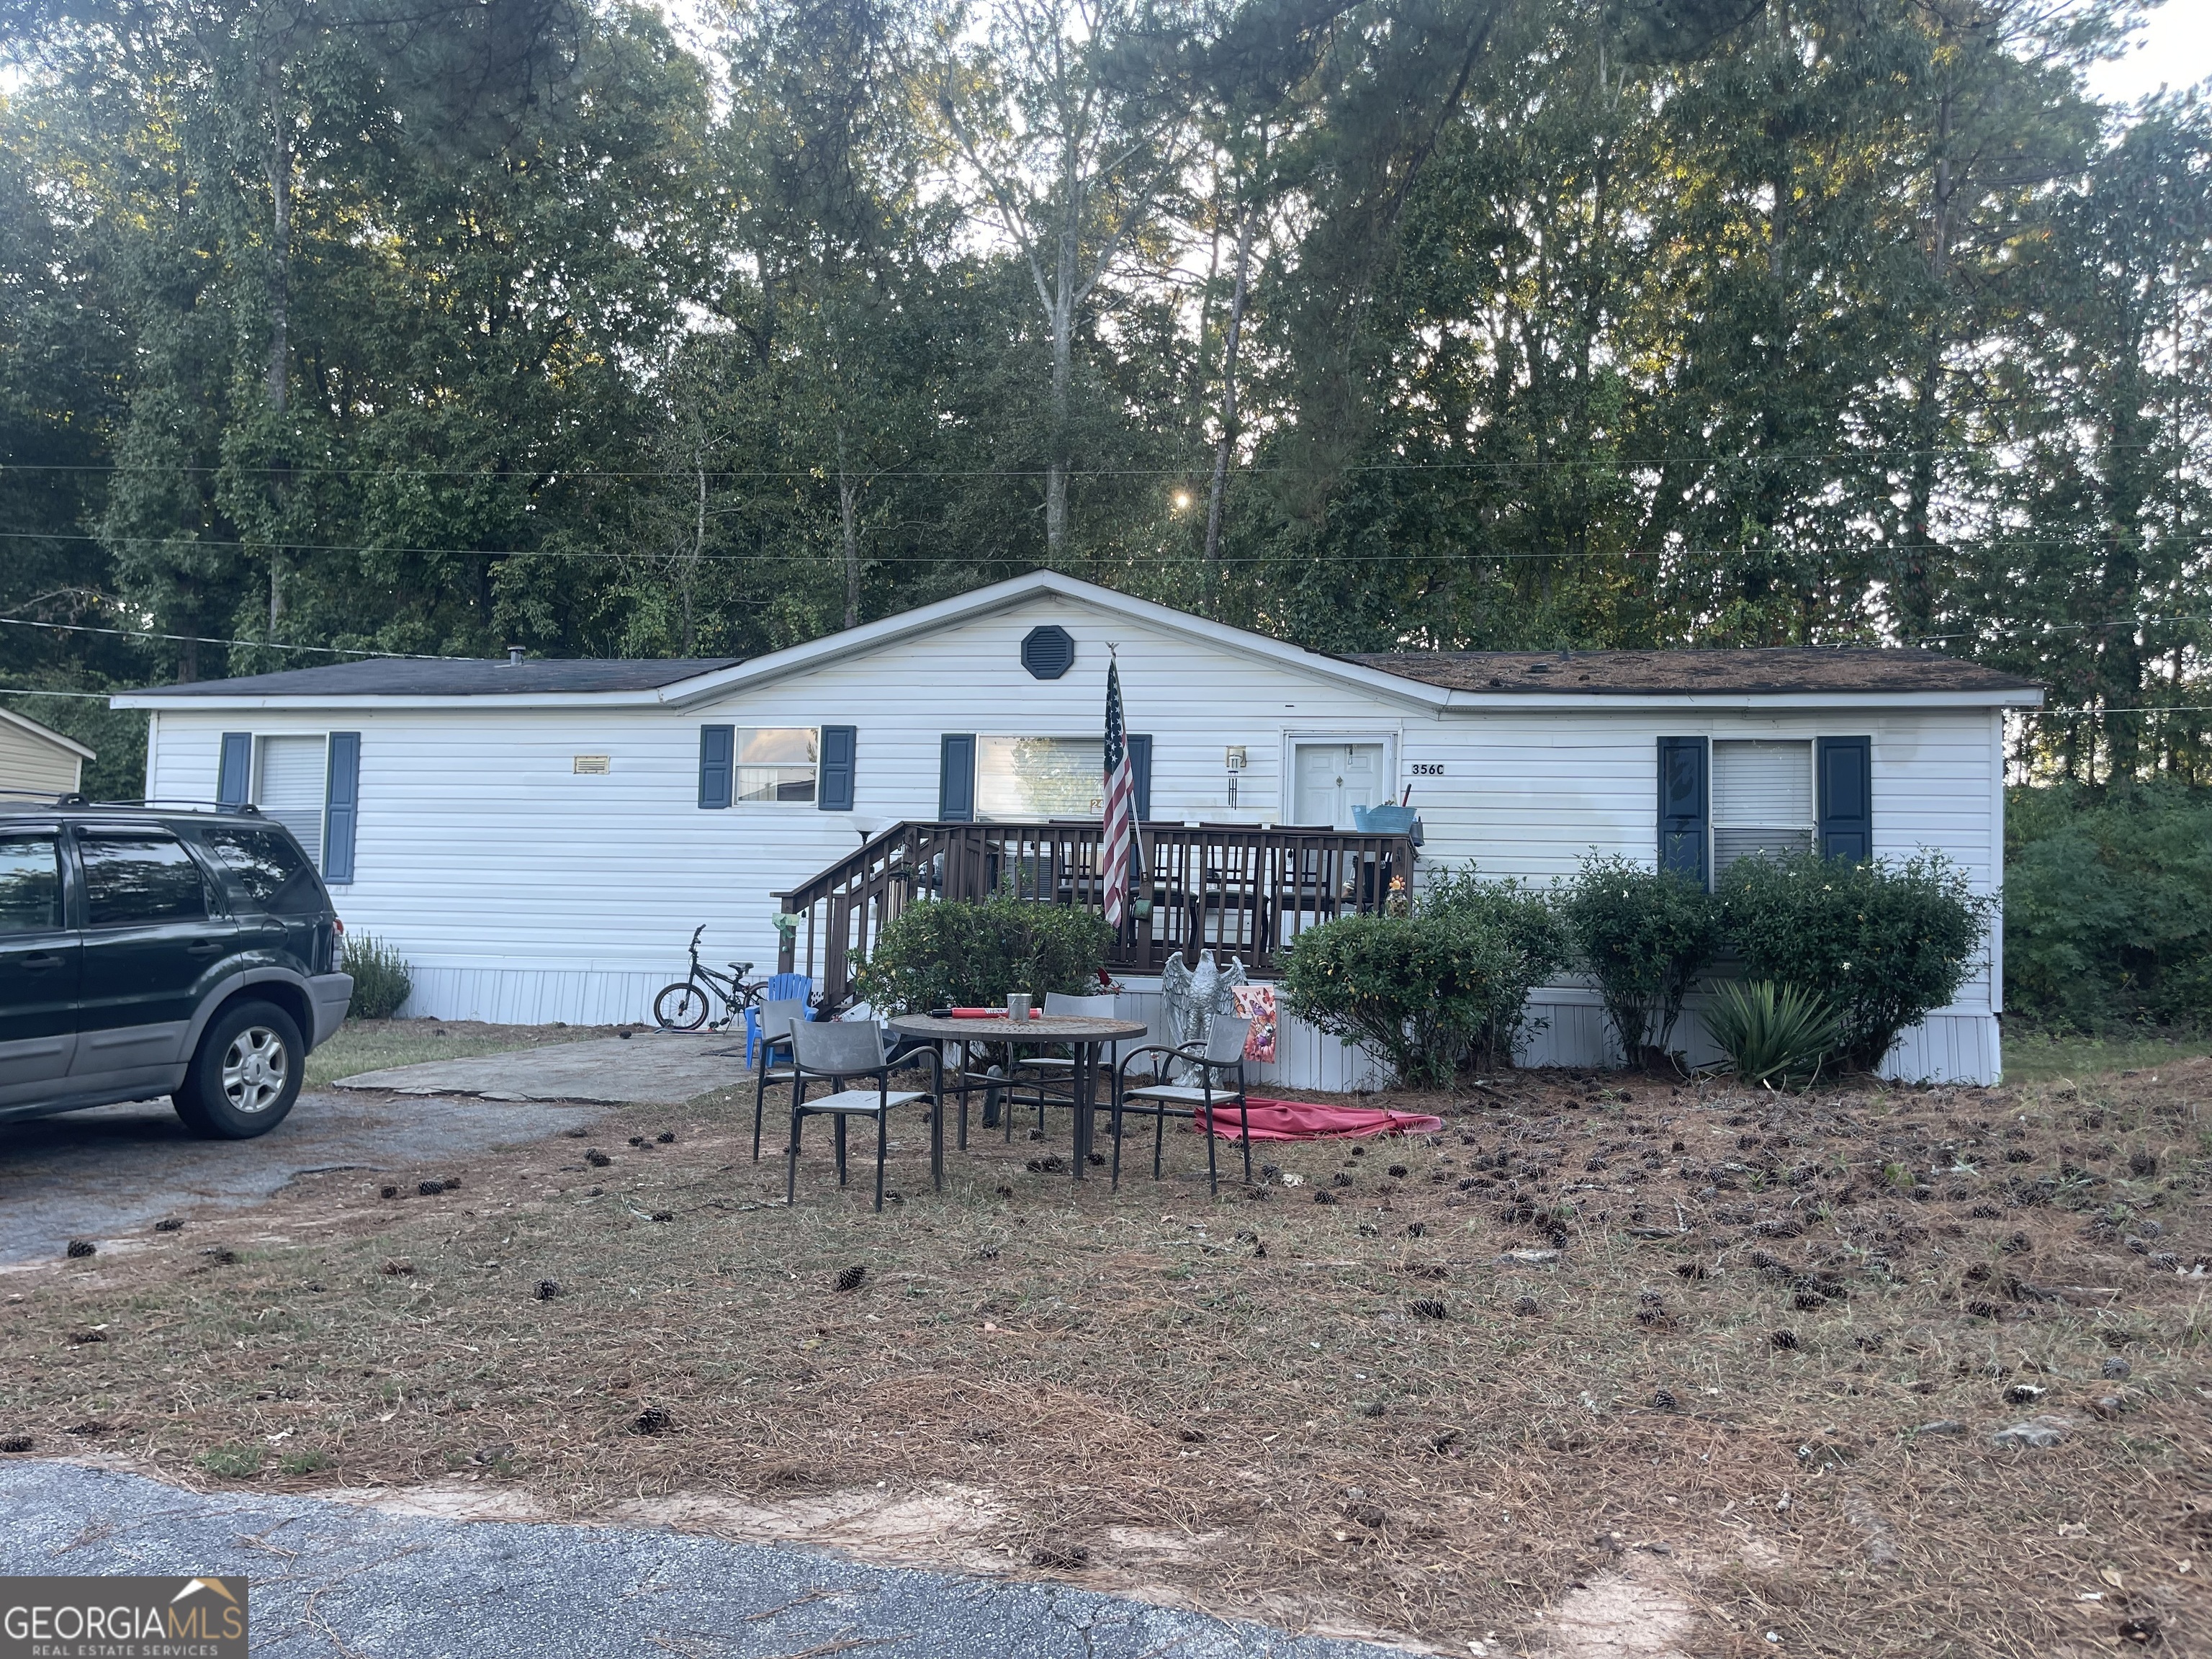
[1241, 891]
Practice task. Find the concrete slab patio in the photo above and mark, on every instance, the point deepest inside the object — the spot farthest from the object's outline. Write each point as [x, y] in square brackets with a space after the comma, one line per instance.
[112, 1172]
[653, 1068]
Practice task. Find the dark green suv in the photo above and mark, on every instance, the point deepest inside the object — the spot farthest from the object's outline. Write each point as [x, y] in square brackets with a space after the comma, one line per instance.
[154, 950]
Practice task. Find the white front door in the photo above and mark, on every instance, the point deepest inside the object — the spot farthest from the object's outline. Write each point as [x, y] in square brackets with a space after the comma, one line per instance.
[1330, 779]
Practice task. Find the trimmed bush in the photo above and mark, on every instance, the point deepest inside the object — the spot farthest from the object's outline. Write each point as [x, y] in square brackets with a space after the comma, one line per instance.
[1416, 991]
[1644, 936]
[2108, 906]
[1772, 1037]
[381, 983]
[1528, 918]
[1885, 943]
[948, 953]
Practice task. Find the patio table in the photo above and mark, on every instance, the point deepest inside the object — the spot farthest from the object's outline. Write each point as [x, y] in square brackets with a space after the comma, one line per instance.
[1084, 1034]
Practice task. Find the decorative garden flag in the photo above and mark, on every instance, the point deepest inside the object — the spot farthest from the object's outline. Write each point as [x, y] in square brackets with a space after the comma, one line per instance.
[1119, 853]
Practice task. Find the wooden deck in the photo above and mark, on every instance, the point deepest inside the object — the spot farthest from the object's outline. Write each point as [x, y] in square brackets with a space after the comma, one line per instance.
[1244, 892]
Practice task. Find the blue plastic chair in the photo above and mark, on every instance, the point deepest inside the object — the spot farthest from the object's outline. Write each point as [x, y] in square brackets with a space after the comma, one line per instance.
[781, 988]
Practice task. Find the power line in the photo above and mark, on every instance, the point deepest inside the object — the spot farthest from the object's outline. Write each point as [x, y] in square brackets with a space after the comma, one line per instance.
[290, 547]
[1607, 463]
[205, 639]
[96, 696]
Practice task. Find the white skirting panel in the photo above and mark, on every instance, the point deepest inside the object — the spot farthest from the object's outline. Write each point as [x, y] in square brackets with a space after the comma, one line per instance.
[1945, 1048]
[534, 996]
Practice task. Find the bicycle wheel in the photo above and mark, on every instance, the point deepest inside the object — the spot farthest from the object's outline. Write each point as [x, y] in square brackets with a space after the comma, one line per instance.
[680, 1007]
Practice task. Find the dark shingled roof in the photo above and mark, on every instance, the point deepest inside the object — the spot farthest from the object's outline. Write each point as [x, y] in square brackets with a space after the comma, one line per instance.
[418, 677]
[1670, 673]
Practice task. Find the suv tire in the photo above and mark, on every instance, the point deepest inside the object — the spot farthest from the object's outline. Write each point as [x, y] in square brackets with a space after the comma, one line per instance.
[246, 1074]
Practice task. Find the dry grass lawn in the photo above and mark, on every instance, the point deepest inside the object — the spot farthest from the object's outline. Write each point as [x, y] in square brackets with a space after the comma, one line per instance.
[1608, 1367]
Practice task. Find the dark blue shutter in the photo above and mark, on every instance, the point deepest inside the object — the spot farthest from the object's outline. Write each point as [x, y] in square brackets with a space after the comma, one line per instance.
[955, 778]
[1682, 813]
[834, 793]
[234, 779]
[1141, 770]
[342, 806]
[1846, 768]
[718, 752]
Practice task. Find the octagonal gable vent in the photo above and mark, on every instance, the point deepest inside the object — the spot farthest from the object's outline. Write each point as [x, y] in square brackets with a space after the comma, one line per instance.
[1047, 652]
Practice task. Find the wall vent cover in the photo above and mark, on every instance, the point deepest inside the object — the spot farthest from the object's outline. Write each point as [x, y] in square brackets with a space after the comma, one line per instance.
[1047, 652]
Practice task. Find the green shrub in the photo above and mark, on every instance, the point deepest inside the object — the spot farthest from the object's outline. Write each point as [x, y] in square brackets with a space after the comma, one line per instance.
[1417, 991]
[2108, 906]
[1528, 918]
[1772, 1037]
[945, 953]
[1885, 943]
[381, 980]
[1644, 936]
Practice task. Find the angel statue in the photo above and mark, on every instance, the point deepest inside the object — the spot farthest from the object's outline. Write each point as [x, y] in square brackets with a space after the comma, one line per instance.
[1190, 997]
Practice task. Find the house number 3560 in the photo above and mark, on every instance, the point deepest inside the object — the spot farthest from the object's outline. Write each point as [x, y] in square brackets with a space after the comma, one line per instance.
[1428, 770]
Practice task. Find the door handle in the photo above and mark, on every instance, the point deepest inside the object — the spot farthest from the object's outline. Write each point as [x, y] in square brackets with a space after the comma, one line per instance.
[205, 947]
[41, 962]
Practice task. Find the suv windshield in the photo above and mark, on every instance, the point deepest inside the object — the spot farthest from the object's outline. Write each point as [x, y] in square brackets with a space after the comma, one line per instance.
[274, 872]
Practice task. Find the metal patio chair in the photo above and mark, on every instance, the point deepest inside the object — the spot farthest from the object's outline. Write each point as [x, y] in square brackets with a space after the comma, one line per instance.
[834, 1051]
[775, 1020]
[1222, 1054]
[1052, 1076]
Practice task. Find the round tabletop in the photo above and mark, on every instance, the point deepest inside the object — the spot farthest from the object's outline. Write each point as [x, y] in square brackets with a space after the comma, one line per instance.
[1047, 1028]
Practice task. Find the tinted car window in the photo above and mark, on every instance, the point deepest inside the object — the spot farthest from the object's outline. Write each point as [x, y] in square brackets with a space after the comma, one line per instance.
[30, 885]
[139, 878]
[275, 873]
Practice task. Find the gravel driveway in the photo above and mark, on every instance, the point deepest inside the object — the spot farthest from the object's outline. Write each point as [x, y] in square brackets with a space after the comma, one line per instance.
[340, 1579]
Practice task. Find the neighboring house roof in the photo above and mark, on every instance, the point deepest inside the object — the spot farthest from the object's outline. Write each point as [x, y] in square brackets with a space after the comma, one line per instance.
[1765, 671]
[444, 677]
[45, 733]
[1779, 678]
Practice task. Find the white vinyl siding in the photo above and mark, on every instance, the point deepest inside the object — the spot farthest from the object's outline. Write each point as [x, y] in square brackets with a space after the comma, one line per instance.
[518, 892]
[291, 783]
[1032, 778]
[1762, 799]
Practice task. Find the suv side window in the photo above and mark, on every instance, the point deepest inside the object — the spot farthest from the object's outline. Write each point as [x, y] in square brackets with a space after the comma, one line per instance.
[274, 872]
[139, 876]
[30, 885]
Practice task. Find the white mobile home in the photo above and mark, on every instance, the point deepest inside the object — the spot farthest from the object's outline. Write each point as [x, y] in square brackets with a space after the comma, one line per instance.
[539, 838]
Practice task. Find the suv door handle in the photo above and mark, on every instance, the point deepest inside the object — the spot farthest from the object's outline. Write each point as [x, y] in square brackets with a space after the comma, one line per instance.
[40, 962]
[204, 947]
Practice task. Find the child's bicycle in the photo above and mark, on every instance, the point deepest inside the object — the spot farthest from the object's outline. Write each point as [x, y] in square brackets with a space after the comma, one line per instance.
[684, 1005]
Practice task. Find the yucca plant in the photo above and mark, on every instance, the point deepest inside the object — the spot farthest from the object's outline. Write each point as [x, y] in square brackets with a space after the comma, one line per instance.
[1774, 1036]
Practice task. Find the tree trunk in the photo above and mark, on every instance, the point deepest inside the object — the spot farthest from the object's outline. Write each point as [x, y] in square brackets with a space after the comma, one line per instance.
[1063, 352]
[848, 493]
[280, 259]
[1228, 437]
[280, 319]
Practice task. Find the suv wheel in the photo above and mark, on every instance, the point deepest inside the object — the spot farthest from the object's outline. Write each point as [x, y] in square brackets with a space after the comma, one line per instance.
[245, 1075]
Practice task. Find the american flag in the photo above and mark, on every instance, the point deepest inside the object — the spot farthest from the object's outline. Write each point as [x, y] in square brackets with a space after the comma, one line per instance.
[1120, 851]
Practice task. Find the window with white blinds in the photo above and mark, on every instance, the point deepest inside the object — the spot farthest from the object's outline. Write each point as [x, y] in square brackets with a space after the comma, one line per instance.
[291, 784]
[1762, 799]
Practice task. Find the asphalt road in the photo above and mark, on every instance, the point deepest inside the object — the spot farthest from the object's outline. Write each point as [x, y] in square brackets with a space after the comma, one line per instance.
[336, 1579]
[113, 1172]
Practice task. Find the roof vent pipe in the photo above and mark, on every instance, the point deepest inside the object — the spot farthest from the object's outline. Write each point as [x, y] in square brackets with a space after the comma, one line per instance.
[514, 656]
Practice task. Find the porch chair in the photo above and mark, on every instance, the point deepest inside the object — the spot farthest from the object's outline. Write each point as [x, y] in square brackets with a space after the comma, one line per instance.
[834, 1051]
[775, 1022]
[1053, 1075]
[1222, 1054]
[780, 987]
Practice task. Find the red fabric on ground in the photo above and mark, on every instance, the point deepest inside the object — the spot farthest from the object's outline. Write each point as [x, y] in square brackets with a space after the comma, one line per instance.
[1307, 1120]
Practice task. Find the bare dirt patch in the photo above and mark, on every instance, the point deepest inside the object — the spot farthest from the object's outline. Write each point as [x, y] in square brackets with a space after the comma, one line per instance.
[1774, 1339]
